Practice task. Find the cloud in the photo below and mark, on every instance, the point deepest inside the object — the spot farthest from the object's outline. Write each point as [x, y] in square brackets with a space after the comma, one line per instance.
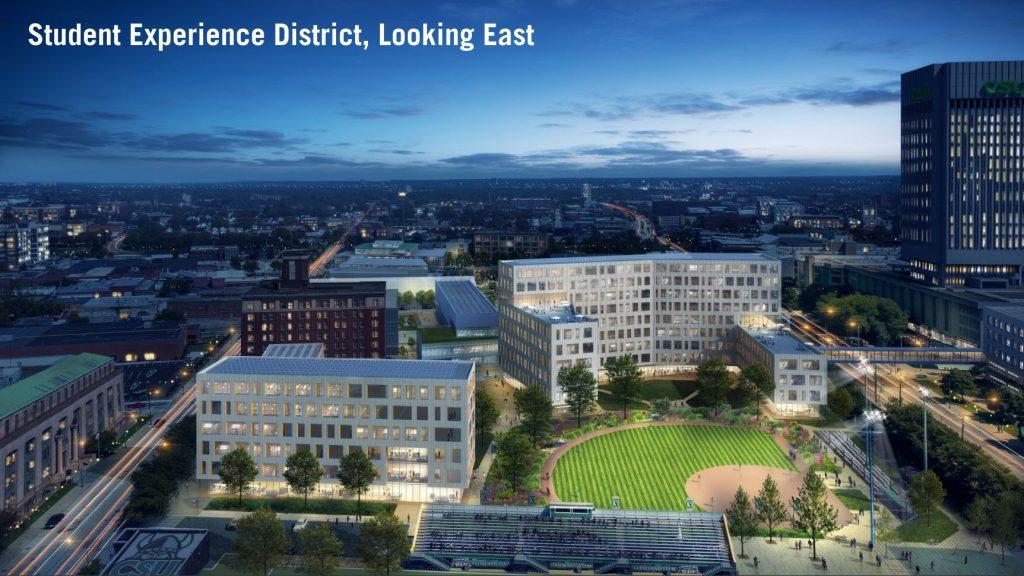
[857, 96]
[485, 160]
[52, 133]
[396, 151]
[553, 125]
[103, 115]
[40, 106]
[224, 140]
[313, 160]
[382, 113]
[663, 104]
[888, 46]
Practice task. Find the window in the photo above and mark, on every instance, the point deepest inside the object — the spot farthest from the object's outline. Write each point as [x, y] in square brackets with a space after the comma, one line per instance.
[375, 391]
[355, 390]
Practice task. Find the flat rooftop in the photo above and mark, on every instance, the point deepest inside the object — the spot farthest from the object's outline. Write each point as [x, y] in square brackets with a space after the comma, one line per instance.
[340, 368]
[656, 256]
[779, 340]
[1015, 311]
[88, 333]
[39, 385]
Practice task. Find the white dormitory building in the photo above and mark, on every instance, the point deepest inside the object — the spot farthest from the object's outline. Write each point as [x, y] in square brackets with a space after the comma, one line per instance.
[414, 418]
[669, 311]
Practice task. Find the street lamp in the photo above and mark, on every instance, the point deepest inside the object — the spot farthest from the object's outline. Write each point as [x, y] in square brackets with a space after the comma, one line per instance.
[81, 462]
[871, 418]
[853, 324]
[924, 403]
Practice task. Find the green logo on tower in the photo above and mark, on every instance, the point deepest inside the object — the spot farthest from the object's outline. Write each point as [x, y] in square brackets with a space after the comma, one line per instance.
[1003, 88]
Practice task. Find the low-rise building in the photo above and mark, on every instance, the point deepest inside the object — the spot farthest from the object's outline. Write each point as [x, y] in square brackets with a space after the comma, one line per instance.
[46, 419]
[799, 371]
[114, 308]
[524, 244]
[414, 418]
[126, 341]
[1002, 341]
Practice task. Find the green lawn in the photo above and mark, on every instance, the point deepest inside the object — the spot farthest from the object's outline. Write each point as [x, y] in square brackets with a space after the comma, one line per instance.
[854, 499]
[294, 505]
[648, 467]
[942, 527]
[672, 389]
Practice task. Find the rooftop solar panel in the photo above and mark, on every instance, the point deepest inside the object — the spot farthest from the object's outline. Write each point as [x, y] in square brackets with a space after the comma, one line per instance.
[341, 367]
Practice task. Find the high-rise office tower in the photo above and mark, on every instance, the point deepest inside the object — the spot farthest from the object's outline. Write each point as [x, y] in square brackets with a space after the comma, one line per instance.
[962, 173]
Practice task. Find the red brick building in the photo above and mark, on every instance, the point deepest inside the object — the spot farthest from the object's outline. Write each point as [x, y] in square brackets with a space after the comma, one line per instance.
[351, 319]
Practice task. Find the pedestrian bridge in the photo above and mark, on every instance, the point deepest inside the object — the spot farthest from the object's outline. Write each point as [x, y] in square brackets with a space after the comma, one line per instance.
[903, 355]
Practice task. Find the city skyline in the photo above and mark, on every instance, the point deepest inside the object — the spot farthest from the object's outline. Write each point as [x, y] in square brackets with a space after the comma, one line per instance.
[666, 89]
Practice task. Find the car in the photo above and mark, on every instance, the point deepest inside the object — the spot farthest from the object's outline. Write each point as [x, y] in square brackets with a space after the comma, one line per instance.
[52, 521]
[232, 526]
[300, 525]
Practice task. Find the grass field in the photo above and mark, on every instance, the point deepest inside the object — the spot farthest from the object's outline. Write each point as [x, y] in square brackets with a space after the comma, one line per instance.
[648, 467]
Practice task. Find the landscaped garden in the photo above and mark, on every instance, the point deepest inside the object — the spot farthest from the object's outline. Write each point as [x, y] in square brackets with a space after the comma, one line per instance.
[647, 468]
[332, 506]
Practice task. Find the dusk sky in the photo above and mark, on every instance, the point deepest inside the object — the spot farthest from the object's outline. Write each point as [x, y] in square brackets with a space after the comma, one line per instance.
[652, 88]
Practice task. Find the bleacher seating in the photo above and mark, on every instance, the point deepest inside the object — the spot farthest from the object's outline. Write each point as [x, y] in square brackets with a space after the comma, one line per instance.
[890, 492]
[520, 538]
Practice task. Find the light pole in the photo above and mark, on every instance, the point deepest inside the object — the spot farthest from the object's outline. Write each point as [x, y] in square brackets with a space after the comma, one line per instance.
[871, 418]
[924, 403]
[81, 463]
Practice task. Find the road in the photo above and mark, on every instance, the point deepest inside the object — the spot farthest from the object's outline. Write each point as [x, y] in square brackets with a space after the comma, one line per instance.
[892, 387]
[644, 227]
[318, 266]
[95, 518]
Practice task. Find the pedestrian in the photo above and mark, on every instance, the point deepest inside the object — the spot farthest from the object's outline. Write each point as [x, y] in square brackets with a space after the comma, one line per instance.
[755, 561]
[965, 559]
[824, 564]
[861, 556]
[933, 566]
[878, 560]
[917, 569]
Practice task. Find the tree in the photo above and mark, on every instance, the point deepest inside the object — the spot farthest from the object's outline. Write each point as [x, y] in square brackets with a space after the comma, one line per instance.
[1005, 531]
[384, 544]
[885, 527]
[979, 515]
[770, 510]
[237, 471]
[250, 267]
[425, 298]
[840, 403]
[925, 494]
[880, 320]
[321, 548]
[356, 472]
[93, 568]
[579, 387]
[742, 518]
[514, 459]
[623, 379]
[8, 520]
[811, 511]
[170, 316]
[757, 383]
[106, 443]
[487, 412]
[533, 403]
[302, 472]
[262, 542]
[957, 382]
[405, 299]
[714, 381]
